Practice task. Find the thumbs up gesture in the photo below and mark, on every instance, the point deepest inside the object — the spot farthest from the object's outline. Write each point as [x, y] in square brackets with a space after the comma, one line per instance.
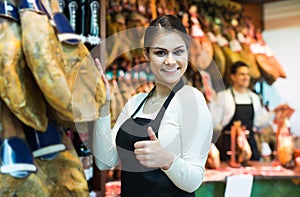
[151, 134]
[151, 154]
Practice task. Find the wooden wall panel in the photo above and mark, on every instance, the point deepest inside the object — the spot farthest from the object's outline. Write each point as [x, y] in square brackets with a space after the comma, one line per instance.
[283, 14]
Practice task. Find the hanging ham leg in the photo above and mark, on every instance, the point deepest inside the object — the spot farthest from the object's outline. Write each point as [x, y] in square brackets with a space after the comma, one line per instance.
[66, 172]
[35, 183]
[44, 57]
[271, 68]
[17, 86]
[88, 92]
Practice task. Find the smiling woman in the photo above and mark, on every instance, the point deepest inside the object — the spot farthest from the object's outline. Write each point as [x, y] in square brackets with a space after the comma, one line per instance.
[168, 60]
[161, 149]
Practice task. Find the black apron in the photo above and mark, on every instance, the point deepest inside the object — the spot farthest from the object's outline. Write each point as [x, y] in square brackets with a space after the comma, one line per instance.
[244, 113]
[138, 180]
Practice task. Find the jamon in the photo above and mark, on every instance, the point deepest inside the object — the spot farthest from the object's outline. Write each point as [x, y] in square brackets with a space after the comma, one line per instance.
[234, 52]
[213, 158]
[245, 42]
[35, 183]
[117, 102]
[88, 91]
[45, 59]
[199, 57]
[251, 61]
[11, 126]
[17, 86]
[231, 57]
[218, 56]
[269, 71]
[62, 176]
[66, 172]
[270, 67]
[284, 140]
[244, 150]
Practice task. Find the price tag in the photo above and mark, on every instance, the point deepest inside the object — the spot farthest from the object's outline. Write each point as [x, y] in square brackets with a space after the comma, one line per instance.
[268, 51]
[235, 46]
[211, 37]
[197, 31]
[241, 37]
[256, 48]
[221, 40]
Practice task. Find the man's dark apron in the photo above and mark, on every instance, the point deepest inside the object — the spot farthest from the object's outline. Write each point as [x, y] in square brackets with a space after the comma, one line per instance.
[244, 113]
[138, 180]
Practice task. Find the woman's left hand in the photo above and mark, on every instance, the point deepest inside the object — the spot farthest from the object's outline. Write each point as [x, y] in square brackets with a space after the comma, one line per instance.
[151, 154]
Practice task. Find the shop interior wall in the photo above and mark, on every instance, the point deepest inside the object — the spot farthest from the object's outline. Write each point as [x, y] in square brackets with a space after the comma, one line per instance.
[282, 34]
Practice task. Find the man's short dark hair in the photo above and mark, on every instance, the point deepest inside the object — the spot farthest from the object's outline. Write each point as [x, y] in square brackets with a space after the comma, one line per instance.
[236, 65]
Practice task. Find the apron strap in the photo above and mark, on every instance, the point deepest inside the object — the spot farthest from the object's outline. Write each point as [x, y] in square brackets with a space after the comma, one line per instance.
[141, 104]
[163, 109]
[231, 90]
[156, 122]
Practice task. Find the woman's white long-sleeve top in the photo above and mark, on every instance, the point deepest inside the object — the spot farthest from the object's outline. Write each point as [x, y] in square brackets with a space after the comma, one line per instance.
[185, 130]
[223, 108]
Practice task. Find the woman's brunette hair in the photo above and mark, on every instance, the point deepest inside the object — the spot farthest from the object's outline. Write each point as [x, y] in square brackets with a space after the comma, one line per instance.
[165, 23]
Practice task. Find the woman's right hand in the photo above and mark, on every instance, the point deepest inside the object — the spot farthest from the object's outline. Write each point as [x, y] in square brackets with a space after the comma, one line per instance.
[105, 109]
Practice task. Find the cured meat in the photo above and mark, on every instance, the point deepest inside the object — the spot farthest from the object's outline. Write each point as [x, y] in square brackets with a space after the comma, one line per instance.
[285, 144]
[201, 51]
[17, 86]
[253, 67]
[269, 65]
[125, 86]
[199, 57]
[88, 91]
[234, 52]
[207, 45]
[251, 61]
[245, 41]
[11, 126]
[244, 150]
[119, 43]
[35, 183]
[270, 68]
[213, 158]
[267, 70]
[44, 57]
[218, 56]
[229, 54]
[66, 172]
[117, 102]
